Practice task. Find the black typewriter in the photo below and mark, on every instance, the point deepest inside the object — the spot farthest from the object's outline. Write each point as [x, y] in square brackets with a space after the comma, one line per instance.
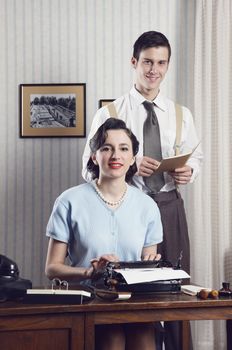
[110, 279]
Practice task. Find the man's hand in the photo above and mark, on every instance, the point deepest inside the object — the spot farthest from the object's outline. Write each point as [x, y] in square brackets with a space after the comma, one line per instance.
[147, 166]
[182, 175]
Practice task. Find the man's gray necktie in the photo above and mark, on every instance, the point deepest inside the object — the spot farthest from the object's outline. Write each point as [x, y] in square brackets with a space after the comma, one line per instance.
[152, 146]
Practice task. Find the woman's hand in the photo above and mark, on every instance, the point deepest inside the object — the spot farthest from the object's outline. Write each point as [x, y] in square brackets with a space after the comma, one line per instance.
[98, 264]
[152, 257]
[150, 253]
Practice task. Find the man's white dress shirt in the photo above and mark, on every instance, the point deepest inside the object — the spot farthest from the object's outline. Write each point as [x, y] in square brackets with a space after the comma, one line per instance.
[130, 108]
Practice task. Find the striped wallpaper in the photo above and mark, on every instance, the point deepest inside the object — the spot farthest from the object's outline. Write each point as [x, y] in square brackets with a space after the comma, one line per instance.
[69, 41]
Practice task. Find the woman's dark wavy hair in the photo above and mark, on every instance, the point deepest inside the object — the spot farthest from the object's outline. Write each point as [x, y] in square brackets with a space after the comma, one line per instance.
[99, 139]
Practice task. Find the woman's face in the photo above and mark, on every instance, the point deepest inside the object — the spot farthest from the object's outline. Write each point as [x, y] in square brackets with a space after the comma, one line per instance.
[115, 157]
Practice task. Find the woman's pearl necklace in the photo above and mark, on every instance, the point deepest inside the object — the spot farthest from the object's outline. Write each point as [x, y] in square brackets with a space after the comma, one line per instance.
[112, 204]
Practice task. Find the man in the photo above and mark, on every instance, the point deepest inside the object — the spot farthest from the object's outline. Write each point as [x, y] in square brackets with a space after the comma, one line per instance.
[151, 56]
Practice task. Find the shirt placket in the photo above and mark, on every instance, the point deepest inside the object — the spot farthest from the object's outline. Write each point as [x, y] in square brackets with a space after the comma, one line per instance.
[113, 231]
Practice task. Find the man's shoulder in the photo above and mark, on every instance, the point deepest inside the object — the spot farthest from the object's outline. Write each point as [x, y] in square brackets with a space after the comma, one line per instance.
[118, 102]
[170, 102]
[122, 107]
[172, 105]
[122, 99]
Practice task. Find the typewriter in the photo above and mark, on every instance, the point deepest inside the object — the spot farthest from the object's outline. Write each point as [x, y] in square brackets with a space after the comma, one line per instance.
[110, 277]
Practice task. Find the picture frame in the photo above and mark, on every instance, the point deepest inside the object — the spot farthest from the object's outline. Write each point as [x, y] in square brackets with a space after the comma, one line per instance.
[53, 110]
[104, 102]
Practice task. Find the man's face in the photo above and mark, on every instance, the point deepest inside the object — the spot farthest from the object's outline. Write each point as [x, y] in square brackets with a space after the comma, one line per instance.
[150, 68]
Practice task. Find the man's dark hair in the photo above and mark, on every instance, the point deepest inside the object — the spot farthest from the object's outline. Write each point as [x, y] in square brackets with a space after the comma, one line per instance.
[99, 139]
[150, 39]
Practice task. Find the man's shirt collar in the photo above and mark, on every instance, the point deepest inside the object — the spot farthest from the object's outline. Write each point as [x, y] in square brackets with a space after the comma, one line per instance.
[159, 101]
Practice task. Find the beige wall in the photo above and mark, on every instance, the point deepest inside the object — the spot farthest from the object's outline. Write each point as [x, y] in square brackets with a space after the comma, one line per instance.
[69, 41]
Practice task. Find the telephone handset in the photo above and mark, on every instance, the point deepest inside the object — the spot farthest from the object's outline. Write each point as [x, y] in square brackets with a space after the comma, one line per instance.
[11, 285]
[8, 269]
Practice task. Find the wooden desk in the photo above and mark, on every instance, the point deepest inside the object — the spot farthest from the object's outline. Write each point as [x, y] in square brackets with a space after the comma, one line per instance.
[61, 327]
[162, 308]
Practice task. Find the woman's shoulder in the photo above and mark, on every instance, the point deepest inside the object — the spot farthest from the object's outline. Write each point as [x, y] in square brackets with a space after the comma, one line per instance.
[140, 195]
[76, 192]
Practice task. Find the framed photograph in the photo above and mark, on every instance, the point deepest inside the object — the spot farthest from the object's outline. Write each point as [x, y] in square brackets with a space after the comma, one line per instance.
[52, 110]
[102, 103]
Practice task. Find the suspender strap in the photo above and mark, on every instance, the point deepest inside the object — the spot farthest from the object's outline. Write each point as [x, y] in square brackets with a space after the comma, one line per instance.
[179, 117]
[112, 110]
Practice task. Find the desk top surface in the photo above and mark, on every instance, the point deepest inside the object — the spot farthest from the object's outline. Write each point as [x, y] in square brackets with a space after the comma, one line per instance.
[137, 302]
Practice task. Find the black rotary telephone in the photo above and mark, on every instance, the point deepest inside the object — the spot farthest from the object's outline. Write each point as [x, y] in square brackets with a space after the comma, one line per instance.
[11, 285]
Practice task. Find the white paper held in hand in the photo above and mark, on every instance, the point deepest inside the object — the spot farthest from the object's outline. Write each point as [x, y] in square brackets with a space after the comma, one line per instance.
[174, 162]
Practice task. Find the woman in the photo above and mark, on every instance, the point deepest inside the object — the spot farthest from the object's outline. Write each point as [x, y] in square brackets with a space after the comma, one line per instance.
[106, 220]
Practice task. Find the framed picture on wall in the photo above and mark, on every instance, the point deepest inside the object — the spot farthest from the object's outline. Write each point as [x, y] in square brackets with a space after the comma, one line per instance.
[52, 110]
[102, 103]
